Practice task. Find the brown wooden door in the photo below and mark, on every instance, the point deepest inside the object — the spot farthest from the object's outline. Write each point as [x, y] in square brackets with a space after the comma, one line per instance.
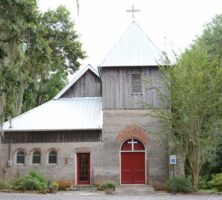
[83, 168]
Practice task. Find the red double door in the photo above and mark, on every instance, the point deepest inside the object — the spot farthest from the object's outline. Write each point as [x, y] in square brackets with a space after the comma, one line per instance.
[132, 163]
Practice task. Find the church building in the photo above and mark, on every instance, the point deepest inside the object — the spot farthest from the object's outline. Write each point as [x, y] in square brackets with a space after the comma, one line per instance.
[98, 127]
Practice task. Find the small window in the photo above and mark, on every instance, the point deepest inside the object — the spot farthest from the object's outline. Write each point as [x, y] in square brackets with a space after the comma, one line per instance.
[52, 157]
[20, 157]
[136, 83]
[36, 157]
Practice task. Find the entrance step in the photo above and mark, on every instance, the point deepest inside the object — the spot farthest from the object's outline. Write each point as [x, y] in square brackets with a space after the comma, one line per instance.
[137, 190]
[80, 187]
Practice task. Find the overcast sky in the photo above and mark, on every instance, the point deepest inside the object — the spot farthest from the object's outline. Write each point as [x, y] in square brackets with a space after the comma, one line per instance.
[101, 22]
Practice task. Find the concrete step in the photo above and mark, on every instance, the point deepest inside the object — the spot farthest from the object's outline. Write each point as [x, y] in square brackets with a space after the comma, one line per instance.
[80, 188]
[137, 190]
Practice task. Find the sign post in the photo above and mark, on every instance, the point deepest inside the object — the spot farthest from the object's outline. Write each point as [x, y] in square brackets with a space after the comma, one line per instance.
[173, 161]
[92, 180]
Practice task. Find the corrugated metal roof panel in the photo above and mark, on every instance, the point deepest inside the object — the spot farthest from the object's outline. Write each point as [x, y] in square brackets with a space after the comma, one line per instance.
[134, 48]
[61, 114]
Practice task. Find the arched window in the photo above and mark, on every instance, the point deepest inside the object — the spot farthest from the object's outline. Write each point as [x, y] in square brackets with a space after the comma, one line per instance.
[132, 145]
[20, 157]
[53, 157]
[36, 157]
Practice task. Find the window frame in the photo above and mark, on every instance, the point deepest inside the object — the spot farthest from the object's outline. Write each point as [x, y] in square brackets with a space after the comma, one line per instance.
[39, 157]
[56, 153]
[16, 157]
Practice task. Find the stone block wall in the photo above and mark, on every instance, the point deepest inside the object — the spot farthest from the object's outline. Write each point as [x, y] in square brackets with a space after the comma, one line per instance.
[104, 155]
[157, 154]
[65, 169]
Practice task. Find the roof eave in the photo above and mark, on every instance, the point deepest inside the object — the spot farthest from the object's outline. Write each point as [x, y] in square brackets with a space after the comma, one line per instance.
[45, 130]
[106, 66]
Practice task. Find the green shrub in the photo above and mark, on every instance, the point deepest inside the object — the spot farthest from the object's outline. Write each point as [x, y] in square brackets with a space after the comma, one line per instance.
[38, 176]
[203, 182]
[31, 181]
[179, 184]
[216, 182]
[53, 184]
[108, 185]
[4, 184]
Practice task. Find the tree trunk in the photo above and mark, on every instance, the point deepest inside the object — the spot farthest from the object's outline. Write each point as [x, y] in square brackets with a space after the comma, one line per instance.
[180, 167]
[2, 103]
[195, 179]
[19, 99]
[195, 170]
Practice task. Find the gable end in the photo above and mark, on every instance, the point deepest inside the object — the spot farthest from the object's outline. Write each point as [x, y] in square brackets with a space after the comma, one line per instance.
[88, 85]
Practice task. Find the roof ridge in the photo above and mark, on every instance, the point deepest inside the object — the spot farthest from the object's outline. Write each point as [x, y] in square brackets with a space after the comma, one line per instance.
[146, 35]
[133, 48]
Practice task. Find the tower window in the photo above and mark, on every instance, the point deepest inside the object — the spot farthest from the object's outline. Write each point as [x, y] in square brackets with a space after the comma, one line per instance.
[136, 83]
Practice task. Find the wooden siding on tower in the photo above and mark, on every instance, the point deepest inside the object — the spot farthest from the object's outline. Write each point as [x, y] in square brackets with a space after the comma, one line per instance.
[117, 88]
[89, 85]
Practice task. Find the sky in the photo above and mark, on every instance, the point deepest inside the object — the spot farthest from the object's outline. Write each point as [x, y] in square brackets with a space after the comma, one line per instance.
[170, 24]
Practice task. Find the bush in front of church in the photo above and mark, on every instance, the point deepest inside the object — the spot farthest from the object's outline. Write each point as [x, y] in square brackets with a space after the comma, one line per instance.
[31, 181]
[4, 184]
[216, 182]
[179, 185]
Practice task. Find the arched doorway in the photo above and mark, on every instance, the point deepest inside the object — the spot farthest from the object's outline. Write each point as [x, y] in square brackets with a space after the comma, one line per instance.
[132, 162]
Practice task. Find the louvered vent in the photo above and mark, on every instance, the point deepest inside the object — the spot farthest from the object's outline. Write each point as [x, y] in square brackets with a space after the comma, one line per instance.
[136, 83]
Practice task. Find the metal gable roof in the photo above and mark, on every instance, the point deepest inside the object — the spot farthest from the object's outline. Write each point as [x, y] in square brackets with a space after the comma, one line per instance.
[61, 114]
[77, 76]
[134, 48]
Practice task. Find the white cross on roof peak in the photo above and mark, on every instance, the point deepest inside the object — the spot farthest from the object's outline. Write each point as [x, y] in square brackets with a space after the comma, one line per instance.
[133, 11]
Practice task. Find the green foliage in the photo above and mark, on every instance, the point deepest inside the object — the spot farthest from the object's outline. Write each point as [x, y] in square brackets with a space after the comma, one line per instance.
[211, 38]
[108, 185]
[179, 184]
[203, 182]
[4, 185]
[193, 93]
[214, 163]
[216, 182]
[38, 176]
[53, 184]
[37, 51]
[210, 41]
[37, 92]
[31, 181]
[193, 127]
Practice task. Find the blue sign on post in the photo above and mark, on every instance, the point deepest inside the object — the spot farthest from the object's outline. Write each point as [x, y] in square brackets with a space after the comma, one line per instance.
[173, 162]
[173, 159]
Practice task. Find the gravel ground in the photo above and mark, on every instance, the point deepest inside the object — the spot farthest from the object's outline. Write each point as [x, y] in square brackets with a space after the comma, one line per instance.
[101, 196]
